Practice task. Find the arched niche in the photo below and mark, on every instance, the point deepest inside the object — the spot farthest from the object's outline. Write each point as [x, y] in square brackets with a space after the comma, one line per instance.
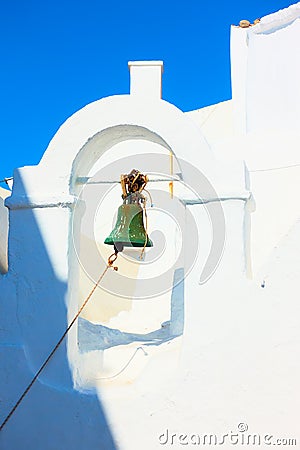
[130, 321]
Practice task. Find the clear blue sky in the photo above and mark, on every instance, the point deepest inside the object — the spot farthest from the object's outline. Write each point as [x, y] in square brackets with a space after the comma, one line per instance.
[57, 56]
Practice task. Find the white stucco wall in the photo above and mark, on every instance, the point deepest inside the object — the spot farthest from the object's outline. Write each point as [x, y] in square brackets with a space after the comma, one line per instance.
[44, 274]
[273, 164]
[260, 125]
[227, 351]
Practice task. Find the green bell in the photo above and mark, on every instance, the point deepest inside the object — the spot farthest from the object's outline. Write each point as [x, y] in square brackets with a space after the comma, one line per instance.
[129, 230]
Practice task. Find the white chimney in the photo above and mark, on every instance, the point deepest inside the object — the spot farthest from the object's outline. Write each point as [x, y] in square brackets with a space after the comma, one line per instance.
[146, 78]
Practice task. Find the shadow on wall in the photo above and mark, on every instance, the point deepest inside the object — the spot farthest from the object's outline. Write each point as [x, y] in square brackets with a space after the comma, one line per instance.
[53, 415]
[3, 231]
[98, 337]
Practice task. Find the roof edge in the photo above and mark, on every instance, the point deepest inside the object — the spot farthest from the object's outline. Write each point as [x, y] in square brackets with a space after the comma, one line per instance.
[277, 20]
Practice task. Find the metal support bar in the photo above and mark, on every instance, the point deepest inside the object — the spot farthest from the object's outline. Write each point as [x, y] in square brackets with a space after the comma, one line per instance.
[85, 180]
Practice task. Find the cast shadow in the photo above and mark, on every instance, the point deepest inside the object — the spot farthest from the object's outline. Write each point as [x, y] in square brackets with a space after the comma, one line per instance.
[53, 414]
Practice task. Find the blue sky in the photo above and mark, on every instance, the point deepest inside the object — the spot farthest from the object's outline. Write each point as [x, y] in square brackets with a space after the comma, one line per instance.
[59, 56]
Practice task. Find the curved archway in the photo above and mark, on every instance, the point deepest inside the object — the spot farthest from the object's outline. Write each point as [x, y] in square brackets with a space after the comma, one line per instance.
[89, 155]
[111, 120]
[104, 141]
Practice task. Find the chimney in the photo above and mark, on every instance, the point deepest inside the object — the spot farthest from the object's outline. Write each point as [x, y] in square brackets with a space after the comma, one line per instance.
[146, 79]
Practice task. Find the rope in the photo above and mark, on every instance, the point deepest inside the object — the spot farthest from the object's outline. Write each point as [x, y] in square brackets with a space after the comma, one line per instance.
[110, 262]
[125, 367]
[150, 196]
[5, 180]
